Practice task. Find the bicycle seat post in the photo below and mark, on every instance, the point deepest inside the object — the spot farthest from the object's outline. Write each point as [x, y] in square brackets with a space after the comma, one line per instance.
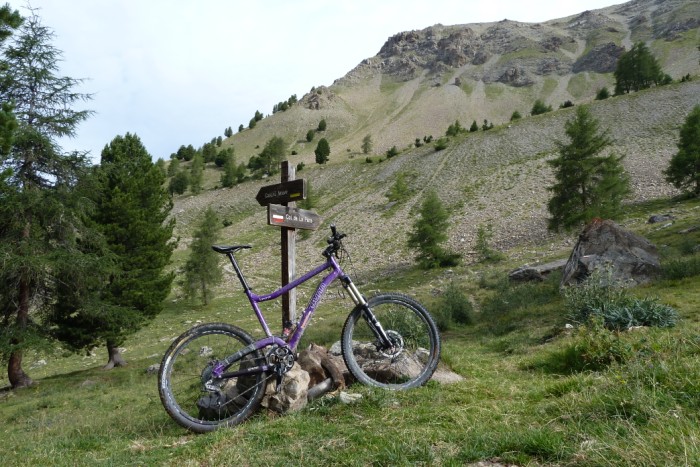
[236, 268]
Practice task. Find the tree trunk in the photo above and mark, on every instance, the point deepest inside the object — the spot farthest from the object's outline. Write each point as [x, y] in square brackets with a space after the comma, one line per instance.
[18, 378]
[115, 357]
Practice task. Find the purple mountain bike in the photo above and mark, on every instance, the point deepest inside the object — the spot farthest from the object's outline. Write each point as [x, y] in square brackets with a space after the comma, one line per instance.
[215, 374]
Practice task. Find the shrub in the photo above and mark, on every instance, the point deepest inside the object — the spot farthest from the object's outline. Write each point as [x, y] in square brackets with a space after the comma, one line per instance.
[484, 251]
[515, 116]
[597, 347]
[441, 144]
[454, 309]
[602, 94]
[681, 268]
[539, 107]
[599, 296]
[392, 152]
[566, 104]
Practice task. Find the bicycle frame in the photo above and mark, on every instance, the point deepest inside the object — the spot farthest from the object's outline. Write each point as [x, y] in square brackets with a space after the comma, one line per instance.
[295, 337]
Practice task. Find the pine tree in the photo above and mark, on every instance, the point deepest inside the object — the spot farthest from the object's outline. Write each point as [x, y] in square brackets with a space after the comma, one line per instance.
[272, 154]
[474, 127]
[684, 168]
[587, 185]
[637, 69]
[202, 271]
[322, 125]
[133, 210]
[179, 183]
[366, 144]
[429, 231]
[197, 173]
[230, 176]
[322, 151]
[45, 241]
[539, 108]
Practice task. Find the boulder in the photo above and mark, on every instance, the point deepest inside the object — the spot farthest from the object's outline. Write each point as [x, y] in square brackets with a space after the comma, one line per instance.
[536, 272]
[631, 258]
[292, 395]
[321, 365]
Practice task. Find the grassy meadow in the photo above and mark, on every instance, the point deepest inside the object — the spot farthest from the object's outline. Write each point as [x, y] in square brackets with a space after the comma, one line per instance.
[534, 393]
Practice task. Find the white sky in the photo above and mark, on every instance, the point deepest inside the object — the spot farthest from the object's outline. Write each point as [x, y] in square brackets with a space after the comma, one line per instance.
[181, 71]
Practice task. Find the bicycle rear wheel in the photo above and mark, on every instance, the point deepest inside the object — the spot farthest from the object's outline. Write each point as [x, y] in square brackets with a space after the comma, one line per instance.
[416, 351]
[187, 366]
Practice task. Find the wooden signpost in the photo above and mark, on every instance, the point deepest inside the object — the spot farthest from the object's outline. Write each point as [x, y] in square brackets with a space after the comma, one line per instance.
[285, 192]
[280, 199]
[285, 216]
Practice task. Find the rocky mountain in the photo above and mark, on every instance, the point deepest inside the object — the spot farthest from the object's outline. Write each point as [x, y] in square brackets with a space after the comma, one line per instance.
[421, 82]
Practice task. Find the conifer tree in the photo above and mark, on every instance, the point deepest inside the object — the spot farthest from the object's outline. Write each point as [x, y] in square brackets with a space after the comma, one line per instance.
[366, 144]
[587, 185]
[429, 232]
[684, 168]
[132, 211]
[197, 173]
[45, 241]
[637, 69]
[202, 271]
[231, 174]
[322, 151]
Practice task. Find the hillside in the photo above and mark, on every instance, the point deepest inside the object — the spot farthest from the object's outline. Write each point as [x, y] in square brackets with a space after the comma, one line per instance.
[496, 178]
[491, 180]
[422, 81]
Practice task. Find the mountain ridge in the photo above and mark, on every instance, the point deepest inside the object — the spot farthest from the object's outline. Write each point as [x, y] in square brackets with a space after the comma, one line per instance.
[495, 179]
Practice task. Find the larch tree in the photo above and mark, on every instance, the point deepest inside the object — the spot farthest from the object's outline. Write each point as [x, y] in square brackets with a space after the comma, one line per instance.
[202, 271]
[429, 232]
[587, 185]
[46, 244]
[683, 170]
[637, 69]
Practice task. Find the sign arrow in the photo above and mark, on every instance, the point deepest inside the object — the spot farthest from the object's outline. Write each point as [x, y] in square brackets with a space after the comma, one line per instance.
[284, 216]
[285, 192]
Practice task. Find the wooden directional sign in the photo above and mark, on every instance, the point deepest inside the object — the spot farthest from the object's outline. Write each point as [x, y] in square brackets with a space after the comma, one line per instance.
[295, 218]
[285, 192]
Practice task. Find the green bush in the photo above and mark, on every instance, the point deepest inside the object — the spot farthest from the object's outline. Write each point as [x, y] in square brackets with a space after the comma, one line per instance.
[597, 347]
[681, 268]
[600, 296]
[454, 309]
[483, 248]
[441, 144]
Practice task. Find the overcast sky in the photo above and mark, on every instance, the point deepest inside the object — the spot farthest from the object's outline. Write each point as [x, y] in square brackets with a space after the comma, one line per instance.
[181, 71]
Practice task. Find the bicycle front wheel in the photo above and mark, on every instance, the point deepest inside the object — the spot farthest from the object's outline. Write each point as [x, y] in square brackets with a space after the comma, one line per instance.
[415, 352]
[188, 392]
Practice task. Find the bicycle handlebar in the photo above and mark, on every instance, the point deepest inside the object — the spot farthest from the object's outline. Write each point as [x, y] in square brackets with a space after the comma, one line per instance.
[334, 242]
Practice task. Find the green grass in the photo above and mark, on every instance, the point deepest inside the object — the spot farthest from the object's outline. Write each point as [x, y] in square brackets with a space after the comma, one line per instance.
[527, 399]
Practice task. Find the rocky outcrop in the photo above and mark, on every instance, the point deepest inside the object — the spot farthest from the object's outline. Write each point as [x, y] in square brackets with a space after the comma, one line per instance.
[601, 59]
[632, 259]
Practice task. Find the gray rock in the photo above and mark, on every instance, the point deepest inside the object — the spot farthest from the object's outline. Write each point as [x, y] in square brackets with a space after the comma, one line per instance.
[632, 259]
[656, 218]
[536, 272]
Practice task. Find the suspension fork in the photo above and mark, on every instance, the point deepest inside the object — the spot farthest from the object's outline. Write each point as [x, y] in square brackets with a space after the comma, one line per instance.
[367, 314]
